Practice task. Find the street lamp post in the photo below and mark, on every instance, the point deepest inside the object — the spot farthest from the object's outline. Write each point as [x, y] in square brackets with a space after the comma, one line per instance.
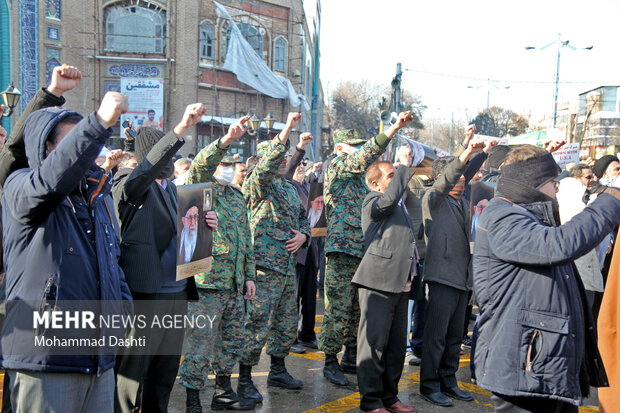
[10, 97]
[556, 79]
[489, 84]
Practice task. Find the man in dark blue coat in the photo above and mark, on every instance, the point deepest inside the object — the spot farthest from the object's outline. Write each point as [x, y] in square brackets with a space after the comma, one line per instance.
[537, 349]
[60, 247]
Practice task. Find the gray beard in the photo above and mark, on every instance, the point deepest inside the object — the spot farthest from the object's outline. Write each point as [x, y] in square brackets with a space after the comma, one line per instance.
[188, 239]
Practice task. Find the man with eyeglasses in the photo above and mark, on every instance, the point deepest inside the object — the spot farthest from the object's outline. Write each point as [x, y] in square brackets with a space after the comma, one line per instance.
[573, 195]
[583, 173]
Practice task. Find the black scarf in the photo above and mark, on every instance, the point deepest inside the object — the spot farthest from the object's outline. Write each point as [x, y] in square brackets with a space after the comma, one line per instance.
[543, 206]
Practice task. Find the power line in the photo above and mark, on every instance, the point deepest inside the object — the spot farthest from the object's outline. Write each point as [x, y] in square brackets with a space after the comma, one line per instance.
[505, 81]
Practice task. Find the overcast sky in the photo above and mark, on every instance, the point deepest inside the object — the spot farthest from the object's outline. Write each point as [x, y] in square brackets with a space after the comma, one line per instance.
[448, 45]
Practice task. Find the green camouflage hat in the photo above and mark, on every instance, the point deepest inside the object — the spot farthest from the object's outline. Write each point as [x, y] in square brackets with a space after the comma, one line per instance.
[348, 136]
[262, 149]
[229, 159]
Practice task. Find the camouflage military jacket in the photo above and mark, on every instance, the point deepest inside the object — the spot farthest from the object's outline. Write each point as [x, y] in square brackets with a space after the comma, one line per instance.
[233, 256]
[344, 191]
[275, 210]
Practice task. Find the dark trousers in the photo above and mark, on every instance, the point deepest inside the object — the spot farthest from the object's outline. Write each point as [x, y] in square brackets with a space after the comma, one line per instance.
[145, 376]
[443, 334]
[509, 404]
[468, 311]
[416, 341]
[305, 284]
[321, 268]
[474, 339]
[381, 344]
[417, 330]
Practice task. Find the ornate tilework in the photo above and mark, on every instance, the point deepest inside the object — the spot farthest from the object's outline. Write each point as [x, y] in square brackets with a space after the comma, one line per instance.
[134, 70]
[52, 60]
[28, 50]
[53, 33]
[49, 67]
[53, 53]
[52, 9]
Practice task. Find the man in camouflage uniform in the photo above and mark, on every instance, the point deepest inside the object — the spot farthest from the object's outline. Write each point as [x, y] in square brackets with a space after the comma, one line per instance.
[344, 191]
[220, 290]
[279, 228]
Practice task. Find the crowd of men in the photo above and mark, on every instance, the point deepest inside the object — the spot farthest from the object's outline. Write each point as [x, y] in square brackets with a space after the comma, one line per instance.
[83, 222]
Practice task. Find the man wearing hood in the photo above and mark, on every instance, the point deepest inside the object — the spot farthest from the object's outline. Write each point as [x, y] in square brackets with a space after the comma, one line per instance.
[221, 289]
[60, 248]
[537, 349]
[146, 202]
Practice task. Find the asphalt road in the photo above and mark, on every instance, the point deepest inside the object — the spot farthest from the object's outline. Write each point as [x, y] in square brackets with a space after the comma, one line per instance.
[318, 395]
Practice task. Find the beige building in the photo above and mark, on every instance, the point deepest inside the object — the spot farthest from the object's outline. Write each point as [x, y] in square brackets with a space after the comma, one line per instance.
[167, 54]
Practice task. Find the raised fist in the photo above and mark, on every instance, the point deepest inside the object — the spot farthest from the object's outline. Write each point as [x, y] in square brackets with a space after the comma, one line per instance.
[293, 119]
[403, 119]
[489, 144]
[304, 139]
[192, 116]
[64, 78]
[112, 159]
[235, 131]
[469, 134]
[112, 106]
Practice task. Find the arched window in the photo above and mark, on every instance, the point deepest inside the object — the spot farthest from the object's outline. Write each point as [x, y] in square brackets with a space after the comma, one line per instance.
[207, 42]
[253, 34]
[279, 55]
[135, 29]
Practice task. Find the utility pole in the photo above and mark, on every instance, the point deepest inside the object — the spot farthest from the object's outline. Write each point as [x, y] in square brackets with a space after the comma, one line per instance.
[396, 86]
[451, 123]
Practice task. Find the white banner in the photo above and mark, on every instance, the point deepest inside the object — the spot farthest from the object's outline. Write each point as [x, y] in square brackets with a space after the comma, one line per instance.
[146, 102]
[569, 153]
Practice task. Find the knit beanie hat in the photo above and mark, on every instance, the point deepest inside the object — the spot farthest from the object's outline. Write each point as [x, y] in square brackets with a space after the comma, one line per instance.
[146, 138]
[600, 166]
[533, 172]
[497, 155]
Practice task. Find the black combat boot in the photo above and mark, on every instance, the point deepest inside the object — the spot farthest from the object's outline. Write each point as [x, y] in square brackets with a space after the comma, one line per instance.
[349, 360]
[192, 404]
[246, 388]
[225, 398]
[333, 372]
[278, 376]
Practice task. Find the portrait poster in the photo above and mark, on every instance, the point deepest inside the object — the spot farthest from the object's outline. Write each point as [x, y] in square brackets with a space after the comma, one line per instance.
[146, 102]
[194, 237]
[316, 210]
[481, 194]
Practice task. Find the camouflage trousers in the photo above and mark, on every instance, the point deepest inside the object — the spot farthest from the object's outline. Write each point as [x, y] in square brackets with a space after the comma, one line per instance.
[218, 342]
[271, 316]
[342, 308]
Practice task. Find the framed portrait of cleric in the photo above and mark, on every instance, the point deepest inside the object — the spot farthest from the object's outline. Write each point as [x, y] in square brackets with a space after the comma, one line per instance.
[316, 210]
[194, 237]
